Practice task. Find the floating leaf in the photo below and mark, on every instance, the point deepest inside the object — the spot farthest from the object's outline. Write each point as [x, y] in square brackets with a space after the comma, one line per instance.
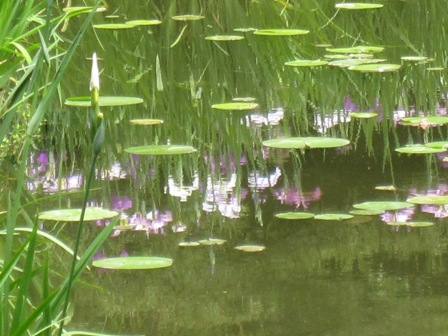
[429, 199]
[306, 142]
[357, 49]
[383, 205]
[133, 263]
[294, 215]
[187, 17]
[245, 30]
[366, 212]
[429, 121]
[337, 217]
[212, 241]
[396, 223]
[83, 9]
[281, 32]
[419, 224]
[435, 69]
[236, 106]
[244, 99]
[73, 215]
[250, 248]
[144, 22]
[306, 63]
[161, 150]
[437, 144]
[380, 67]
[224, 38]
[189, 243]
[113, 26]
[386, 187]
[146, 121]
[419, 149]
[103, 101]
[414, 58]
[349, 62]
[363, 115]
[356, 5]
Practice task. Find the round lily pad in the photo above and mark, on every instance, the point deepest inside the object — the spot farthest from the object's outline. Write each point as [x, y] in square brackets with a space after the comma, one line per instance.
[437, 144]
[146, 121]
[435, 69]
[396, 223]
[306, 63]
[73, 215]
[103, 101]
[429, 120]
[357, 5]
[244, 99]
[377, 67]
[236, 106]
[386, 187]
[383, 205]
[306, 142]
[224, 38]
[294, 215]
[113, 26]
[356, 49]
[245, 30]
[212, 241]
[363, 115]
[144, 22]
[133, 263]
[414, 58]
[187, 17]
[348, 62]
[281, 32]
[250, 248]
[189, 243]
[429, 199]
[329, 217]
[419, 149]
[161, 150]
[419, 224]
[366, 212]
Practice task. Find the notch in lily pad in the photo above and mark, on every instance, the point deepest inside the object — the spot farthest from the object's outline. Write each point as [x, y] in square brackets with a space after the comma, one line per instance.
[133, 263]
[281, 32]
[85, 101]
[306, 142]
[240, 106]
[358, 5]
[294, 215]
[383, 205]
[73, 215]
[161, 150]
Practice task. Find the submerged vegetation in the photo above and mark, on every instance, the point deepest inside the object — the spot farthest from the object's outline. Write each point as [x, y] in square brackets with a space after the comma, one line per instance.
[278, 127]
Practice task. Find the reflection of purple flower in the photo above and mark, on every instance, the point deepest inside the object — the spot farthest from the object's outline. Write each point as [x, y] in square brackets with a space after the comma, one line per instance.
[293, 196]
[120, 203]
[349, 105]
[402, 215]
[438, 211]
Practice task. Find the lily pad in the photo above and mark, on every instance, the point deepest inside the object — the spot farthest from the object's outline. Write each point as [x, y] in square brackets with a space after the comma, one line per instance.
[294, 215]
[144, 22]
[419, 149]
[281, 32]
[113, 26]
[161, 150]
[146, 121]
[429, 120]
[133, 263]
[73, 215]
[429, 199]
[377, 67]
[224, 38]
[414, 58]
[363, 115]
[187, 17]
[306, 63]
[386, 187]
[250, 248]
[330, 217]
[437, 144]
[356, 49]
[435, 69]
[212, 241]
[103, 101]
[357, 5]
[306, 142]
[419, 224]
[189, 243]
[366, 212]
[244, 99]
[236, 106]
[383, 205]
[349, 62]
[396, 223]
[244, 30]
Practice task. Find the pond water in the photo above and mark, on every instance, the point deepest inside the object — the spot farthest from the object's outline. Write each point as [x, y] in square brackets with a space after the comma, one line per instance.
[360, 276]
